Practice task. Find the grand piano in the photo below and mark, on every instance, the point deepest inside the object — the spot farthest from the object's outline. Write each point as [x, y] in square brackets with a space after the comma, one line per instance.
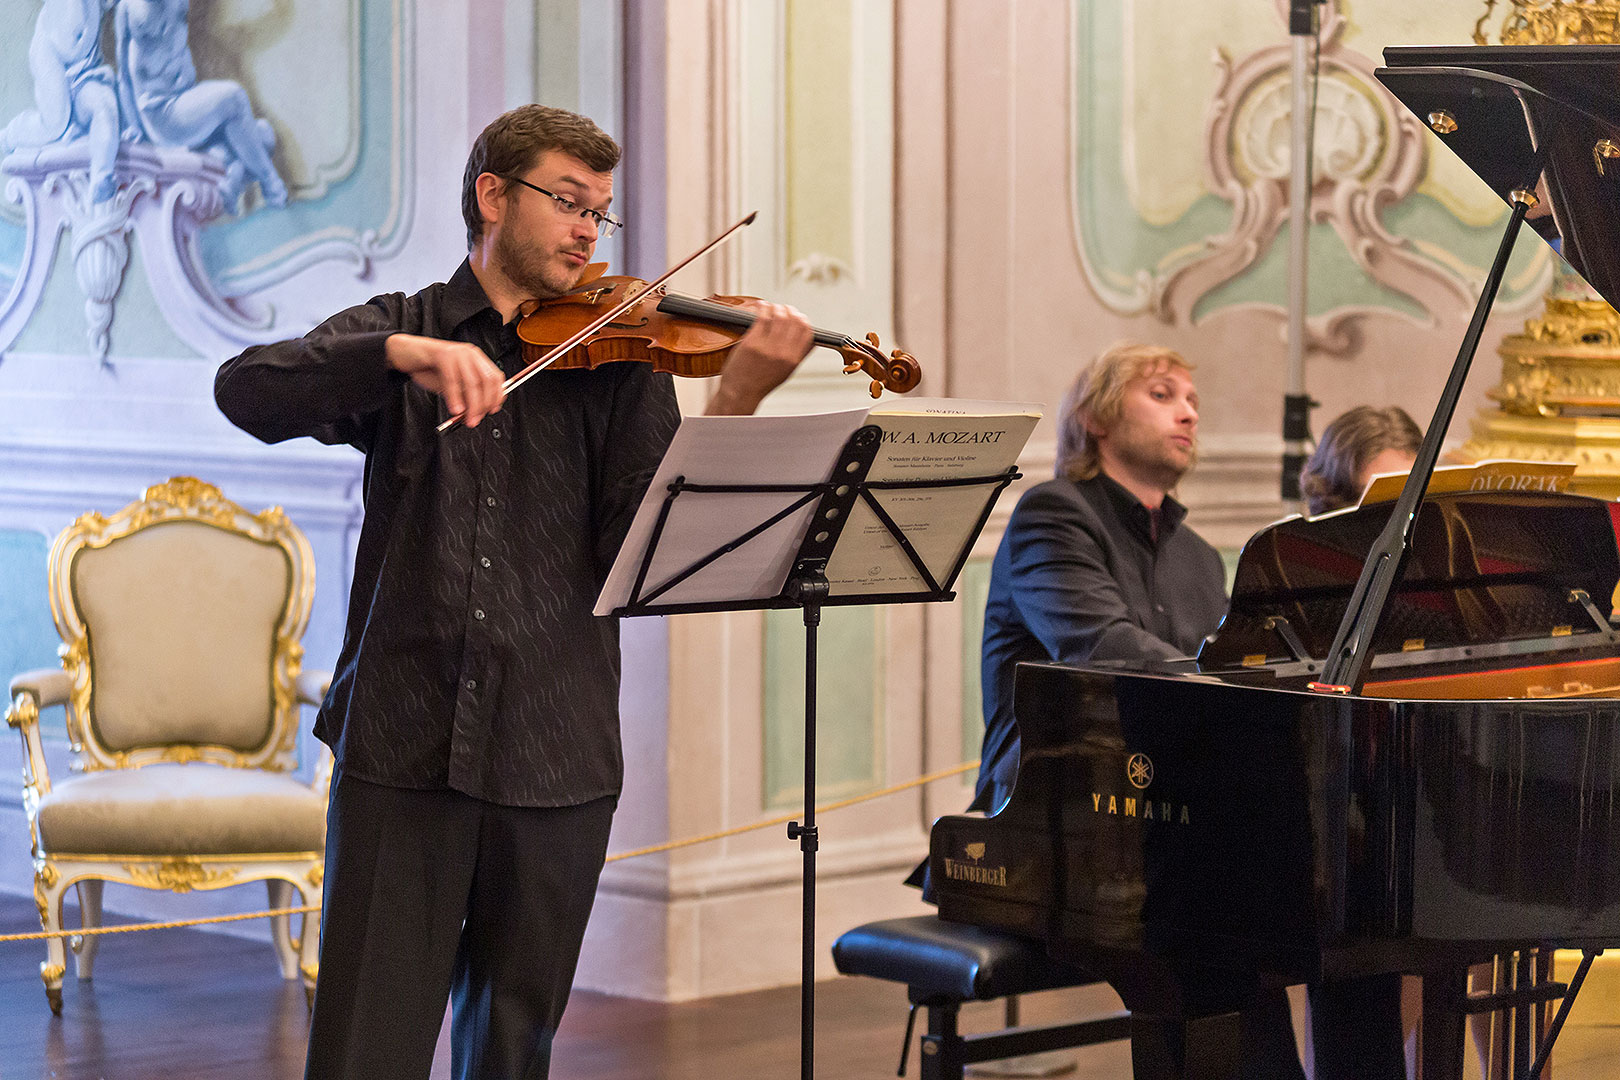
[1400, 752]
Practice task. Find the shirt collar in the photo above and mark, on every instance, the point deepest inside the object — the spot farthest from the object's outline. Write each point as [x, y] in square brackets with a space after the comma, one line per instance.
[464, 297]
[1139, 517]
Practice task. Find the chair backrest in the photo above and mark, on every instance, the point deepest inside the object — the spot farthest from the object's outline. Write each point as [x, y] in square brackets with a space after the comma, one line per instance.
[180, 617]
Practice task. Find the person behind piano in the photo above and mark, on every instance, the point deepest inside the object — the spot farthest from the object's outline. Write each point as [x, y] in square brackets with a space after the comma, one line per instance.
[1099, 564]
[1355, 447]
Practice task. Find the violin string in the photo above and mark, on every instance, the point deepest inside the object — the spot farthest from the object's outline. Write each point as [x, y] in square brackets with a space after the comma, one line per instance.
[546, 361]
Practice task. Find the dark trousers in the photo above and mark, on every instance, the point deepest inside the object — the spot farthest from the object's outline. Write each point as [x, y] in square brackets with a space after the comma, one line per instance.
[1356, 1029]
[432, 895]
[1355, 1033]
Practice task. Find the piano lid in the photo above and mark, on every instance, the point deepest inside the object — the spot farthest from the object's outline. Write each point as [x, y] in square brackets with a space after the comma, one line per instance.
[1485, 568]
[1497, 107]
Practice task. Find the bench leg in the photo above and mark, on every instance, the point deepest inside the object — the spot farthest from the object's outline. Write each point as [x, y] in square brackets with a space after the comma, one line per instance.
[942, 1046]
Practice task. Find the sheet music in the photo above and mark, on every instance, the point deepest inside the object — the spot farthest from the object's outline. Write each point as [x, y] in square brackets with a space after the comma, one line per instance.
[929, 439]
[924, 439]
[729, 450]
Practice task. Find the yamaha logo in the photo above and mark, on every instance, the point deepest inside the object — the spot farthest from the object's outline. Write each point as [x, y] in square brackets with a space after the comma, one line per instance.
[1139, 771]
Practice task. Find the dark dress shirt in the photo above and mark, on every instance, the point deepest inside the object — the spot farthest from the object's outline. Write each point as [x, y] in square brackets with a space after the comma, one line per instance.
[1084, 573]
[471, 659]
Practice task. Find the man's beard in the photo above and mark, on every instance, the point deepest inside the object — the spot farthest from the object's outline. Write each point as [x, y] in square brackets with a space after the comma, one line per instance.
[1153, 459]
[539, 274]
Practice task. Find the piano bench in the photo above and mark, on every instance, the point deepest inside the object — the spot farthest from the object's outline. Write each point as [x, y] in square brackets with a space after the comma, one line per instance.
[944, 964]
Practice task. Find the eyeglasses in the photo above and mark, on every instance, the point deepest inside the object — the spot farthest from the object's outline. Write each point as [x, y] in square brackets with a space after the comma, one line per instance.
[606, 224]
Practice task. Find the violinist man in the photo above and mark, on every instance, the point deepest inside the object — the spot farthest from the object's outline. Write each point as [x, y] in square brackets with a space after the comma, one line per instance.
[474, 710]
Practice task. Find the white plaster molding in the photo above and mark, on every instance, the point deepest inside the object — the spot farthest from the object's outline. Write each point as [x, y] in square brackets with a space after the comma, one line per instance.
[819, 268]
[46, 482]
[327, 173]
[849, 292]
[39, 250]
[359, 248]
[164, 196]
[1369, 153]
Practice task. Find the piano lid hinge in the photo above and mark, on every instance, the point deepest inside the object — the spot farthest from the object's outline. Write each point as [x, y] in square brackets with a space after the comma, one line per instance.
[1583, 598]
[1279, 625]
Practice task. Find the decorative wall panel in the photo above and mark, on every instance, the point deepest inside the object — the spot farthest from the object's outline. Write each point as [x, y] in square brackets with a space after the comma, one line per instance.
[850, 671]
[225, 183]
[1189, 134]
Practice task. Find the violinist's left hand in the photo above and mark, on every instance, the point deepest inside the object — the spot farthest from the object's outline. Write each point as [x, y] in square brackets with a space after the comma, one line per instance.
[762, 360]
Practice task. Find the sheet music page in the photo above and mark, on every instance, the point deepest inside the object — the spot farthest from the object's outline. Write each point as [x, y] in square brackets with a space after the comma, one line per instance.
[927, 439]
[729, 450]
[1490, 474]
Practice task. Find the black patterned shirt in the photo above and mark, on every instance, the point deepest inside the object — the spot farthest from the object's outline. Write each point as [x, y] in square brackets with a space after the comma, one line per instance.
[471, 659]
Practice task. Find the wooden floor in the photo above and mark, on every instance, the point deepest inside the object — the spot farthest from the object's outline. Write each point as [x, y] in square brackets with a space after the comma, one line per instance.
[187, 1005]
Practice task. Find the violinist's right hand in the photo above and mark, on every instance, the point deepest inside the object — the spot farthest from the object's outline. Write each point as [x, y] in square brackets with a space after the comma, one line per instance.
[468, 380]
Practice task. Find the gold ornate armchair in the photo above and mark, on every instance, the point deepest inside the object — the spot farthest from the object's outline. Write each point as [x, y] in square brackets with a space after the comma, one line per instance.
[180, 618]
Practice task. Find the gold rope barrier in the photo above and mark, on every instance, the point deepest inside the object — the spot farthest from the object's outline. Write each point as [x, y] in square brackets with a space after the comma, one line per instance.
[670, 845]
[126, 928]
[785, 818]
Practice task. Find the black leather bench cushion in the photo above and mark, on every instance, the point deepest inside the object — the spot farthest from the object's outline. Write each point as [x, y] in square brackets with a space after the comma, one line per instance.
[943, 961]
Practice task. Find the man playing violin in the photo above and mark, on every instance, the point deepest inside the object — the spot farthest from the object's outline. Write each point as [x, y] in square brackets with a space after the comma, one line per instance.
[474, 710]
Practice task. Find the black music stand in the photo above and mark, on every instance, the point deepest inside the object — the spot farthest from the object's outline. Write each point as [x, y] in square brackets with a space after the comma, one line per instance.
[807, 587]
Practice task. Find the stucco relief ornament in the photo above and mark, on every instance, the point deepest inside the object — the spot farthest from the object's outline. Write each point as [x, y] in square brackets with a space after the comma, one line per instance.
[1368, 154]
[145, 148]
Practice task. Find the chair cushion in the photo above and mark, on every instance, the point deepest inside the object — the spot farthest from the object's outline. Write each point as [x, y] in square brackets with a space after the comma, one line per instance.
[944, 961]
[191, 809]
[182, 620]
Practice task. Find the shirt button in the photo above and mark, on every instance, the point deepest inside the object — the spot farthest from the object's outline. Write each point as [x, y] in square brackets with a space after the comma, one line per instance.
[478, 613]
[489, 500]
[472, 684]
[496, 433]
[1159, 608]
[484, 562]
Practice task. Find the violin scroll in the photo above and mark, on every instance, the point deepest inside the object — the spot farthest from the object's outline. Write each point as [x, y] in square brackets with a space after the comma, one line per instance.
[898, 373]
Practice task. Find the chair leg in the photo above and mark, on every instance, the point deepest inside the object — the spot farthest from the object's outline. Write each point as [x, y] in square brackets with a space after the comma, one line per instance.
[84, 948]
[309, 941]
[281, 896]
[48, 896]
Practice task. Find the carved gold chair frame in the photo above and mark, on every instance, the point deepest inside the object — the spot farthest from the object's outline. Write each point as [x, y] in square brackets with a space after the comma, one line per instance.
[286, 873]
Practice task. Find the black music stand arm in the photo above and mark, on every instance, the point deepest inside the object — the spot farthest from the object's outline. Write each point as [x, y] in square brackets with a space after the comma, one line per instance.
[1351, 654]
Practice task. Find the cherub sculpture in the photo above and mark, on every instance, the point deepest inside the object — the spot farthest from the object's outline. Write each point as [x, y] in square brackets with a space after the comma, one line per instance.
[162, 100]
[73, 90]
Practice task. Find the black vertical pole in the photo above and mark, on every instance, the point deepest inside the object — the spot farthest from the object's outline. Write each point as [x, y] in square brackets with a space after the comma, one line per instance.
[1296, 430]
[807, 1007]
[808, 589]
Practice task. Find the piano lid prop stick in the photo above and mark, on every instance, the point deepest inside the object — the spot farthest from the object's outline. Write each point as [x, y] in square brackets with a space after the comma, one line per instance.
[1351, 654]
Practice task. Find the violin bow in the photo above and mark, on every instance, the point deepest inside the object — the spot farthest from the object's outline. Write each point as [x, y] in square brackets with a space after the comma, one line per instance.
[629, 302]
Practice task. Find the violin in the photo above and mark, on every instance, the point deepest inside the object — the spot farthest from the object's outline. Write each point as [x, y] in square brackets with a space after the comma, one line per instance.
[679, 334]
[623, 318]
